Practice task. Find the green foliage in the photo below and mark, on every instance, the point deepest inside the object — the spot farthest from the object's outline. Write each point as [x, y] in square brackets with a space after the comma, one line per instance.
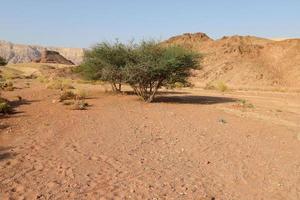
[105, 62]
[155, 66]
[5, 108]
[146, 67]
[2, 62]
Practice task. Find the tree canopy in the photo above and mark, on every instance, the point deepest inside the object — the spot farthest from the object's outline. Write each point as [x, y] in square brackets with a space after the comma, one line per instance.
[146, 67]
[105, 62]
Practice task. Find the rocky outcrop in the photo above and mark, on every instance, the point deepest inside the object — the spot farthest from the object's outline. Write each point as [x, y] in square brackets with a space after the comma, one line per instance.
[53, 57]
[16, 53]
[190, 37]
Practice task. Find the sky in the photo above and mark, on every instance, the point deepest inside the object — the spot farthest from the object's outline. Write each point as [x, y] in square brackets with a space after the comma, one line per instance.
[82, 23]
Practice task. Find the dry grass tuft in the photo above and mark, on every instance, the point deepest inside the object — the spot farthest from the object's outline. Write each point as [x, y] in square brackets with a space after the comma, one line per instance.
[220, 86]
[59, 84]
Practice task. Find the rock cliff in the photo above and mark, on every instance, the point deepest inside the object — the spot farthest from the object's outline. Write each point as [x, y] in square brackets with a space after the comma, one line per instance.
[16, 53]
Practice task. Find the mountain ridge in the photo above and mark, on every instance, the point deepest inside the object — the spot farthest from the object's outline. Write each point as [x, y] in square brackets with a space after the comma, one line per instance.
[21, 53]
[239, 61]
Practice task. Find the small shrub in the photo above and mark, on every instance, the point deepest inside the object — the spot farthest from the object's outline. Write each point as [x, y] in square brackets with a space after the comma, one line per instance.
[80, 105]
[7, 86]
[67, 95]
[245, 104]
[5, 108]
[221, 86]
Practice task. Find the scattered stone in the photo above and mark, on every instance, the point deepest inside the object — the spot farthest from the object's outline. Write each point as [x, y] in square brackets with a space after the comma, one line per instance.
[223, 121]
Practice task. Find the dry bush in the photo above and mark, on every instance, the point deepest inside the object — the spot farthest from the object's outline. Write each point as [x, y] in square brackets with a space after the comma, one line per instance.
[7, 86]
[70, 95]
[76, 100]
[67, 95]
[245, 104]
[80, 105]
[220, 86]
[5, 108]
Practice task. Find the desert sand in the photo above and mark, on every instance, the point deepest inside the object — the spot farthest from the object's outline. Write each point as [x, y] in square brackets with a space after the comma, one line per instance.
[189, 144]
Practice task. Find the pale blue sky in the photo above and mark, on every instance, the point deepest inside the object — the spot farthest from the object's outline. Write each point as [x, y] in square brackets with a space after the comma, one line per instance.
[81, 23]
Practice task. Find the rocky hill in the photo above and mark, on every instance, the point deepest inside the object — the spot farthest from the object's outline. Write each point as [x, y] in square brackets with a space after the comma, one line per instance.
[238, 61]
[244, 61]
[16, 53]
[53, 57]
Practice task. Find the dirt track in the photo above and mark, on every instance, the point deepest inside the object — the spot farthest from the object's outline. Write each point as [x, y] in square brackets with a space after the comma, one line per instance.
[183, 147]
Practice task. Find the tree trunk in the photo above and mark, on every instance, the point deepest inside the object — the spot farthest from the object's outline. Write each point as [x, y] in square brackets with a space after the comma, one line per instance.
[120, 87]
[152, 95]
[150, 90]
[113, 87]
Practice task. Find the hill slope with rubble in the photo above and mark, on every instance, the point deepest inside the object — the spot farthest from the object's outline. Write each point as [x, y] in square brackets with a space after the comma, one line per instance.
[244, 61]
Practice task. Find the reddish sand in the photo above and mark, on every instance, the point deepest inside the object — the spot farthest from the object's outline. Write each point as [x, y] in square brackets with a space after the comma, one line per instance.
[185, 146]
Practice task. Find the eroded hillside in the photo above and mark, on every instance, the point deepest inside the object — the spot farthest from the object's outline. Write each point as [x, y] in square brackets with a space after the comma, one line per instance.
[244, 61]
[16, 53]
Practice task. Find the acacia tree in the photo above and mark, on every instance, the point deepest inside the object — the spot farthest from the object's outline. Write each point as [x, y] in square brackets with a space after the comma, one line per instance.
[105, 62]
[2, 61]
[146, 67]
[155, 66]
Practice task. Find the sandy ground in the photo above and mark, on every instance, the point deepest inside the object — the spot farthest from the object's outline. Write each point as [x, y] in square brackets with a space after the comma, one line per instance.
[190, 144]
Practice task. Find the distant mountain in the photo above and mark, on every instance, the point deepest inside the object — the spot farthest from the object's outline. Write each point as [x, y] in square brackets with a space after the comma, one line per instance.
[244, 61]
[17, 53]
[239, 61]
